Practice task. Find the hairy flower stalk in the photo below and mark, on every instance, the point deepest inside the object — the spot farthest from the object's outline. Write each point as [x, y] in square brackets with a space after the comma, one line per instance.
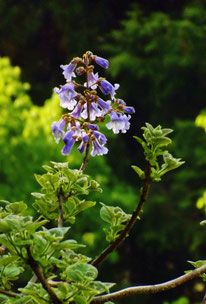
[86, 109]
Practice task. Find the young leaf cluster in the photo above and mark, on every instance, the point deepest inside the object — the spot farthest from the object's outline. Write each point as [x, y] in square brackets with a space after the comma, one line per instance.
[115, 217]
[62, 188]
[154, 143]
[198, 264]
[62, 273]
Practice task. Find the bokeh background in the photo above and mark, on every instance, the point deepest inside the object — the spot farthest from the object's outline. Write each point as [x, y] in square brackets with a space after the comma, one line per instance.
[157, 52]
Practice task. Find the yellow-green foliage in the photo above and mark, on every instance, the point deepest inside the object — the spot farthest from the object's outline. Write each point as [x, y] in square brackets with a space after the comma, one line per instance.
[182, 300]
[201, 120]
[25, 134]
[42, 118]
[14, 101]
[201, 202]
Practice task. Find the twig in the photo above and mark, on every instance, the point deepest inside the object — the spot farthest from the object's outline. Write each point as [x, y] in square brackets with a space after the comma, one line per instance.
[150, 289]
[86, 157]
[60, 219]
[33, 279]
[38, 271]
[144, 193]
[10, 293]
[204, 299]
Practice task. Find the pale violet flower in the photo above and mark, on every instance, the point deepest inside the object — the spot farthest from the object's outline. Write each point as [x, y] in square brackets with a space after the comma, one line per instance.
[107, 88]
[93, 127]
[119, 122]
[91, 80]
[101, 137]
[98, 149]
[85, 139]
[94, 111]
[69, 142]
[104, 63]
[77, 130]
[68, 70]
[73, 133]
[76, 113]
[105, 105]
[58, 129]
[87, 108]
[129, 110]
[66, 95]
[120, 101]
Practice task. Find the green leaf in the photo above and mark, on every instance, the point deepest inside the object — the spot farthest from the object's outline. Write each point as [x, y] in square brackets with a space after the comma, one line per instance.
[139, 172]
[4, 299]
[117, 228]
[170, 163]
[48, 181]
[3, 240]
[59, 165]
[39, 243]
[58, 232]
[69, 174]
[34, 226]
[12, 271]
[68, 244]
[85, 205]
[198, 264]
[102, 287]
[78, 299]
[80, 272]
[4, 261]
[23, 242]
[4, 226]
[155, 175]
[38, 195]
[3, 203]
[142, 142]
[14, 221]
[48, 168]
[16, 208]
[105, 214]
[166, 131]
[39, 179]
[59, 263]
[78, 190]
[160, 141]
[94, 186]
[69, 206]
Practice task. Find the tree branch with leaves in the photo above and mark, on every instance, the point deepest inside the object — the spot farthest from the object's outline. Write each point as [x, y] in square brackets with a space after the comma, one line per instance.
[60, 273]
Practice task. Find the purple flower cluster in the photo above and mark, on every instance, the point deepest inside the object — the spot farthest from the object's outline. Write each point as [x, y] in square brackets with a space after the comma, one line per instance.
[87, 109]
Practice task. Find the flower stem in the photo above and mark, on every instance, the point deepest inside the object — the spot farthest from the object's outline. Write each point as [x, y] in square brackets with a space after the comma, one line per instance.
[60, 219]
[86, 157]
[144, 193]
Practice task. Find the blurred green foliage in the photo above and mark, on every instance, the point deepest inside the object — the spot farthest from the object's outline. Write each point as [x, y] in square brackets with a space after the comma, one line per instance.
[201, 120]
[182, 300]
[162, 57]
[159, 61]
[25, 140]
